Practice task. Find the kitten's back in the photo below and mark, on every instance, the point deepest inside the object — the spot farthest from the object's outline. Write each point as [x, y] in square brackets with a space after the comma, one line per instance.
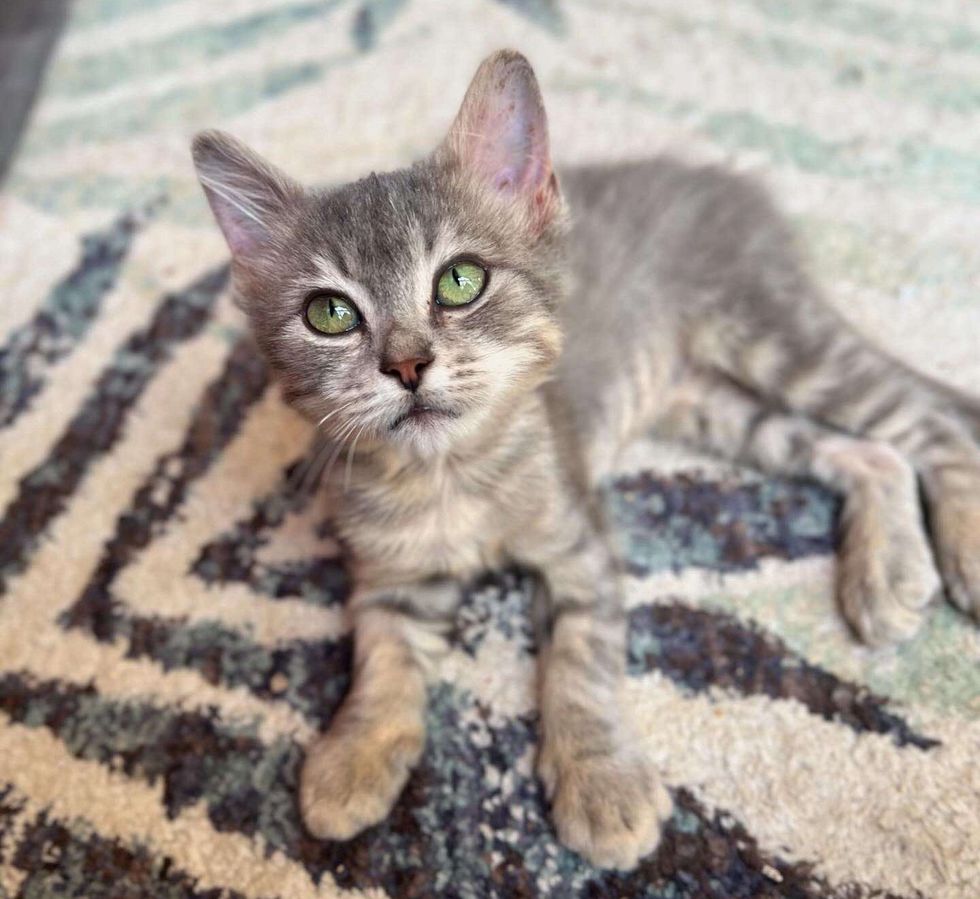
[656, 248]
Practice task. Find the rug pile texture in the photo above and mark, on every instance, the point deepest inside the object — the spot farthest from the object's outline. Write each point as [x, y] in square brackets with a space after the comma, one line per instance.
[171, 615]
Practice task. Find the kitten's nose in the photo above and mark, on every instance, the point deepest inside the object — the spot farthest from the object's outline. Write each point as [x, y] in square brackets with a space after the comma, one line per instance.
[408, 371]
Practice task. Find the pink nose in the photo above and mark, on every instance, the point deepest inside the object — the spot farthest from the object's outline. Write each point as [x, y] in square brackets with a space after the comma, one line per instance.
[408, 371]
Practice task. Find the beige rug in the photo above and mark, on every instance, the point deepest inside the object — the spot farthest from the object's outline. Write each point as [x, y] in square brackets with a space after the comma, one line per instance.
[171, 628]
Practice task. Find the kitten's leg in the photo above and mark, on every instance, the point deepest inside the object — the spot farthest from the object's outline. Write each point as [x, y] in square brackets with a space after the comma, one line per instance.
[354, 773]
[607, 800]
[806, 358]
[889, 404]
[886, 574]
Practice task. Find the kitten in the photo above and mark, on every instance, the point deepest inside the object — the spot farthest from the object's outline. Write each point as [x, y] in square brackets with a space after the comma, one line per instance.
[482, 340]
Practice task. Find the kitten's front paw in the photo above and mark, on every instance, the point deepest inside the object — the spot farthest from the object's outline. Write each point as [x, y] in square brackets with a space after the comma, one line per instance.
[609, 808]
[352, 777]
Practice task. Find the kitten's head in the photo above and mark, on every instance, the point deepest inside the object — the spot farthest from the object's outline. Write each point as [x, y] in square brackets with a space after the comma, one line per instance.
[414, 307]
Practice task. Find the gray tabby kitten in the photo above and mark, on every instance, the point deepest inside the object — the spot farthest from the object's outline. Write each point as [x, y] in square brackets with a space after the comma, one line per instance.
[482, 341]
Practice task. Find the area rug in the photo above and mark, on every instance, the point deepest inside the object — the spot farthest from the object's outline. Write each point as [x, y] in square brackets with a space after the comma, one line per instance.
[171, 611]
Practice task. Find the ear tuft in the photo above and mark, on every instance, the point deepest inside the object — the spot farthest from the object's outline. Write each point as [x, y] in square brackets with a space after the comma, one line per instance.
[501, 131]
[248, 196]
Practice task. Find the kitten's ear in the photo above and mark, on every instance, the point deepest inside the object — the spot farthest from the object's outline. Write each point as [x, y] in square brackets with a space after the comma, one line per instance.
[501, 134]
[248, 196]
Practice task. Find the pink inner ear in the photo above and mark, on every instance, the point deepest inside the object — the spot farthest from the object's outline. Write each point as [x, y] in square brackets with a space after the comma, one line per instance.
[504, 180]
[504, 137]
[244, 237]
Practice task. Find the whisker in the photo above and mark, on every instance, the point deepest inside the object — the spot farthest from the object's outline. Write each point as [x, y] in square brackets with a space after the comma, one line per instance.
[308, 475]
[341, 438]
[351, 452]
[330, 415]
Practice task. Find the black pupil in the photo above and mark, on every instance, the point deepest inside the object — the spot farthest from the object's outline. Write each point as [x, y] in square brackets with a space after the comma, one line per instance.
[456, 276]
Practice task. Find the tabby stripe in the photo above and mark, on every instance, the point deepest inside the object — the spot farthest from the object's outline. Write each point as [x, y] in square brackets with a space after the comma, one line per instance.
[760, 418]
[44, 492]
[869, 402]
[701, 649]
[64, 318]
[682, 522]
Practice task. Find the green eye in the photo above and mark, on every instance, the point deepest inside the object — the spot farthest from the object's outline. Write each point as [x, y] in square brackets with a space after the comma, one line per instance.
[460, 284]
[332, 315]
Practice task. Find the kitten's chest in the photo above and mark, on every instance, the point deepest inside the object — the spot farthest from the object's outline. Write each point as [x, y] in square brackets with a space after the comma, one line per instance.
[411, 527]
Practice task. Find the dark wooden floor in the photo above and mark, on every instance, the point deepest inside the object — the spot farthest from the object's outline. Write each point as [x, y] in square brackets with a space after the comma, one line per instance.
[28, 32]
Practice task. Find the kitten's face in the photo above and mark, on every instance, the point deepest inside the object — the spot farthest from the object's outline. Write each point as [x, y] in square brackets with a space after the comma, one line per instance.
[412, 308]
[380, 247]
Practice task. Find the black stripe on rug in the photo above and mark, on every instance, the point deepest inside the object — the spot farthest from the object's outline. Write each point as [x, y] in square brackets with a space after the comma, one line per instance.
[11, 807]
[217, 418]
[233, 556]
[684, 521]
[67, 314]
[696, 648]
[466, 816]
[699, 649]
[311, 676]
[45, 491]
[703, 648]
[192, 753]
[72, 859]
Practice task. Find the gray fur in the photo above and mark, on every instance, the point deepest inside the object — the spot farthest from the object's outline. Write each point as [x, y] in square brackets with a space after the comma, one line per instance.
[650, 294]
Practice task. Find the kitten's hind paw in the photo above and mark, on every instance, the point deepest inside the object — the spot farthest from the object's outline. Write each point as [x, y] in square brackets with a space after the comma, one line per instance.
[956, 522]
[885, 589]
[886, 573]
[608, 808]
[352, 778]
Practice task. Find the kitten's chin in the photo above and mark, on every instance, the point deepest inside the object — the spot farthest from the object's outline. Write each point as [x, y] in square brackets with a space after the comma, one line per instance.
[425, 432]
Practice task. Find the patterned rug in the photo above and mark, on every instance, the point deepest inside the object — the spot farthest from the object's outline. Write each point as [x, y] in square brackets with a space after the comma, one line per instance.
[171, 626]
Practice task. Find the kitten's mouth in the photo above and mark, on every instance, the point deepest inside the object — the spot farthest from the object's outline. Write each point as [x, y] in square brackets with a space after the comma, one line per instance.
[422, 413]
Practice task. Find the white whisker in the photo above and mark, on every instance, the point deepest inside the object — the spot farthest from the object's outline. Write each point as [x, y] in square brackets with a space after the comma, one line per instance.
[330, 415]
[351, 452]
[341, 442]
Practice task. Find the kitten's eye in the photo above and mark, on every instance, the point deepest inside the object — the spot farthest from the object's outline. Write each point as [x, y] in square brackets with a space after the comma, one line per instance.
[460, 284]
[332, 315]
